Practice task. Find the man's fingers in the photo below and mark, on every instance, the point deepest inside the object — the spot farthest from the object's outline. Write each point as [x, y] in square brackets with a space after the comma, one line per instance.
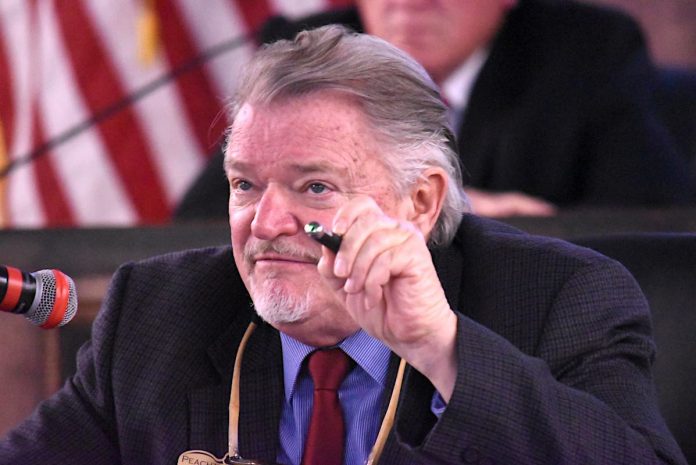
[498, 204]
[370, 247]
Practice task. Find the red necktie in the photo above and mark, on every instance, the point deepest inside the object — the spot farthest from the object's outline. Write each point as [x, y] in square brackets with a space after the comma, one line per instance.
[325, 439]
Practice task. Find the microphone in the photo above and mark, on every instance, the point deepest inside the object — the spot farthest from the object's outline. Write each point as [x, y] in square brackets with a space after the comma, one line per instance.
[47, 298]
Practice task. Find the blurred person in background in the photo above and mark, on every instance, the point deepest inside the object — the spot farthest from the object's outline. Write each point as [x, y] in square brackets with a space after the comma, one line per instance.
[551, 102]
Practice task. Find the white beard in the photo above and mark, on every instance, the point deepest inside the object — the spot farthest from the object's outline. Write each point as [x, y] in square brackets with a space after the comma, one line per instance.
[273, 302]
[275, 306]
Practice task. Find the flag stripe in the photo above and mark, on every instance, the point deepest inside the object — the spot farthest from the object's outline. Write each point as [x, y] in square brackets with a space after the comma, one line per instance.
[298, 8]
[97, 80]
[56, 208]
[202, 104]
[93, 187]
[6, 123]
[7, 103]
[219, 23]
[254, 13]
[161, 114]
[24, 203]
[340, 3]
[57, 212]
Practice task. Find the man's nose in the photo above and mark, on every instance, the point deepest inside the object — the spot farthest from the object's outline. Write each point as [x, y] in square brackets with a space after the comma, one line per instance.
[274, 215]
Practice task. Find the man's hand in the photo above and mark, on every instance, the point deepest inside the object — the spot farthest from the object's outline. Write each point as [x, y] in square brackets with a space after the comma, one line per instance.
[384, 274]
[499, 204]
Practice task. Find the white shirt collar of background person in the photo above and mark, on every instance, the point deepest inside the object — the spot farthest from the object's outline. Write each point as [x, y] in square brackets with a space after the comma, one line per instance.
[458, 86]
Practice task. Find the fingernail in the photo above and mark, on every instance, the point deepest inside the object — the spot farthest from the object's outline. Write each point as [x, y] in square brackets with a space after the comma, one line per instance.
[339, 227]
[340, 267]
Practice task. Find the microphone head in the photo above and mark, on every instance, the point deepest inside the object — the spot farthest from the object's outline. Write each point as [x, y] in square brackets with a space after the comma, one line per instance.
[55, 303]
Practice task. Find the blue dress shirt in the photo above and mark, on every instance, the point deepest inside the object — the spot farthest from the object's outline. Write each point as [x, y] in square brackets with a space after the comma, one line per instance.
[360, 396]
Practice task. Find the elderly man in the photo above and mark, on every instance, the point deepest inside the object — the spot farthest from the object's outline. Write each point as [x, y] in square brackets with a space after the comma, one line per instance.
[425, 336]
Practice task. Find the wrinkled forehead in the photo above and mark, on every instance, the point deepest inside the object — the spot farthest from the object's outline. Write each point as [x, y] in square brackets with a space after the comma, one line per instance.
[326, 126]
[324, 115]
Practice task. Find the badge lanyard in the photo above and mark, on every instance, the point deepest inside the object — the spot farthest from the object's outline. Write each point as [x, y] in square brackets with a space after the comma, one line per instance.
[232, 455]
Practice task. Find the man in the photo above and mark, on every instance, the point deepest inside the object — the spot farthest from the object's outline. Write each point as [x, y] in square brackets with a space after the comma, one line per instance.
[551, 101]
[519, 349]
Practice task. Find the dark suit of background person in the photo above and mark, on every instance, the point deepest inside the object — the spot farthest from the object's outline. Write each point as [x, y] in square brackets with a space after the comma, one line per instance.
[554, 354]
[562, 110]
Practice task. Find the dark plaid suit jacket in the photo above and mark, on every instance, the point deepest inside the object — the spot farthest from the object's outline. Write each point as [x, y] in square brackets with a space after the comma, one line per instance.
[554, 353]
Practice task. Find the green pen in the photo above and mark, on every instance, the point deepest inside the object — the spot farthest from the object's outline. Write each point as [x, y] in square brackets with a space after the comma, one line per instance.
[326, 238]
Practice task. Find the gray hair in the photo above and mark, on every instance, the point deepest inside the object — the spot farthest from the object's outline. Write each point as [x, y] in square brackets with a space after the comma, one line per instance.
[395, 93]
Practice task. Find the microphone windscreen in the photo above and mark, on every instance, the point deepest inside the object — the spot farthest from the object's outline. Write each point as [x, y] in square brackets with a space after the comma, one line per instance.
[55, 303]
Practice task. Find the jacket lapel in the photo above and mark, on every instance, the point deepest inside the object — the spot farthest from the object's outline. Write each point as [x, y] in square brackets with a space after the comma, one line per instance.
[413, 416]
[208, 419]
[261, 395]
[448, 263]
[261, 391]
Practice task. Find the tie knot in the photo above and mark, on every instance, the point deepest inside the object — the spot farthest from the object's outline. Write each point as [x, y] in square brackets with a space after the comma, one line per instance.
[328, 368]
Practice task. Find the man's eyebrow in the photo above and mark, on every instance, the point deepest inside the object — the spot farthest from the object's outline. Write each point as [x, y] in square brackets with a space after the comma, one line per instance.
[303, 168]
[229, 164]
[315, 167]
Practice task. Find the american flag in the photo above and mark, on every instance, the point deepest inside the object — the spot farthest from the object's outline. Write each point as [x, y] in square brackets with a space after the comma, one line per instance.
[64, 63]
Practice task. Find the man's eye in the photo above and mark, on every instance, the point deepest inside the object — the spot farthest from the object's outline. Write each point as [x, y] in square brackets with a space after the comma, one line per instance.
[242, 185]
[317, 188]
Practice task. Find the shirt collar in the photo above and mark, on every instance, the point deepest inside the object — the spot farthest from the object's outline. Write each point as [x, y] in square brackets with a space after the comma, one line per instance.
[459, 84]
[369, 353]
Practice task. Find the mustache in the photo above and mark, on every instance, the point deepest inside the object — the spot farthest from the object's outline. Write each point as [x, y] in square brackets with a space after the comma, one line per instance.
[282, 247]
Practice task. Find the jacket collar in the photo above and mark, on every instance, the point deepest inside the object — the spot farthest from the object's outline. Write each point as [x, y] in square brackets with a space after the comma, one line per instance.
[261, 393]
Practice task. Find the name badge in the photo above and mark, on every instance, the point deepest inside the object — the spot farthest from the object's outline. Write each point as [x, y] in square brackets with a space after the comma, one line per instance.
[199, 457]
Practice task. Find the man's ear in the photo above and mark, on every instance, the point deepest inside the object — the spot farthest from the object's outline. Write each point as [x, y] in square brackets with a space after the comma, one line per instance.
[427, 199]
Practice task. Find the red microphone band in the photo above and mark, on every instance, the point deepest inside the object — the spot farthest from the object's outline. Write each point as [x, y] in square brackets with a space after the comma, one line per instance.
[60, 305]
[14, 283]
